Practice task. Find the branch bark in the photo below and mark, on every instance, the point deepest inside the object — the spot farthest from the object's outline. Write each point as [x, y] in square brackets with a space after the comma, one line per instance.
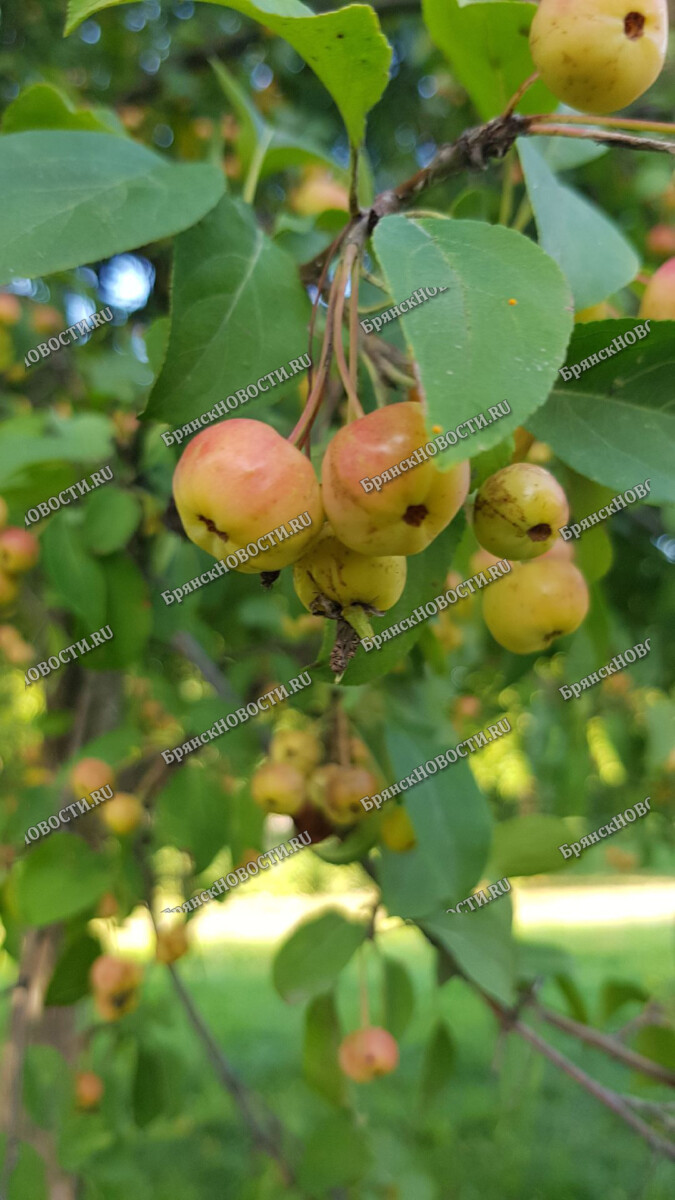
[601, 1041]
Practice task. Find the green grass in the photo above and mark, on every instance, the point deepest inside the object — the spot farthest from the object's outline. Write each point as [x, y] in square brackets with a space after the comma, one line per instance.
[508, 1125]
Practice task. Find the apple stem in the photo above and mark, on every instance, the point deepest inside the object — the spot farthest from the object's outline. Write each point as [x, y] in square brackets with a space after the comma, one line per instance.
[363, 989]
[517, 96]
[354, 408]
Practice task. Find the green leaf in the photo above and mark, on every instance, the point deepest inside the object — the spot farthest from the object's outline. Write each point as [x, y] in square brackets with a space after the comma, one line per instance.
[74, 197]
[151, 1093]
[615, 423]
[336, 1154]
[594, 256]
[238, 312]
[76, 576]
[111, 516]
[70, 980]
[346, 48]
[320, 1065]
[42, 106]
[59, 877]
[483, 266]
[128, 612]
[487, 46]
[46, 1085]
[480, 942]
[593, 552]
[527, 846]
[192, 815]
[398, 997]
[426, 576]
[311, 959]
[439, 1062]
[29, 442]
[29, 1177]
[452, 825]
[575, 1000]
[617, 992]
[658, 1043]
[486, 464]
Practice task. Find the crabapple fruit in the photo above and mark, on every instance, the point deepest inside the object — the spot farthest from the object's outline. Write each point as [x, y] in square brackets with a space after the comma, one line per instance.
[599, 55]
[89, 774]
[658, 302]
[344, 787]
[239, 483]
[537, 603]
[661, 240]
[410, 510]
[13, 647]
[367, 1053]
[330, 569]
[19, 550]
[518, 511]
[115, 984]
[298, 747]
[278, 787]
[318, 192]
[397, 832]
[171, 944]
[122, 814]
[88, 1089]
[4, 512]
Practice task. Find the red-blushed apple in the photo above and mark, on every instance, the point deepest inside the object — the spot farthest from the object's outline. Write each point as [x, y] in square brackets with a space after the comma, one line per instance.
[114, 983]
[341, 790]
[412, 508]
[89, 774]
[239, 482]
[367, 1053]
[599, 55]
[658, 302]
[19, 550]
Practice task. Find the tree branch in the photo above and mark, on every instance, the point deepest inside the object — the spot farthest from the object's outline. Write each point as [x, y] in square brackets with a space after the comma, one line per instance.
[601, 1041]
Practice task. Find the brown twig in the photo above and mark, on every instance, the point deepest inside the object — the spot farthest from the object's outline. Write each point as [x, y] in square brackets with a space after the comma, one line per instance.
[605, 138]
[601, 1041]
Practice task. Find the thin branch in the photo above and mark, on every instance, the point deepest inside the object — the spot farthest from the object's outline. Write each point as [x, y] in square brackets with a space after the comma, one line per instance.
[606, 138]
[660, 1112]
[608, 122]
[267, 1134]
[608, 1098]
[517, 96]
[601, 1041]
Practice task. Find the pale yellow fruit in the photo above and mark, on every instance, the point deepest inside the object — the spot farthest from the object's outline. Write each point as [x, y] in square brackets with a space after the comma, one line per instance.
[535, 604]
[347, 578]
[599, 55]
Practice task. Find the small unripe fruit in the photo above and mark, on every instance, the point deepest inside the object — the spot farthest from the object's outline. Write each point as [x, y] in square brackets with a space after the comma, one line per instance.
[596, 312]
[9, 589]
[89, 774]
[121, 815]
[410, 510]
[368, 1053]
[115, 984]
[344, 789]
[19, 550]
[347, 578]
[599, 55]
[658, 302]
[317, 192]
[278, 788]
[661, 241]
[535, 604]
[239, 481]
[14, 648]
[172, 944]
[396, 831]
[88, 1090]
[298, 747]
[518, 511]
[10, 309]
